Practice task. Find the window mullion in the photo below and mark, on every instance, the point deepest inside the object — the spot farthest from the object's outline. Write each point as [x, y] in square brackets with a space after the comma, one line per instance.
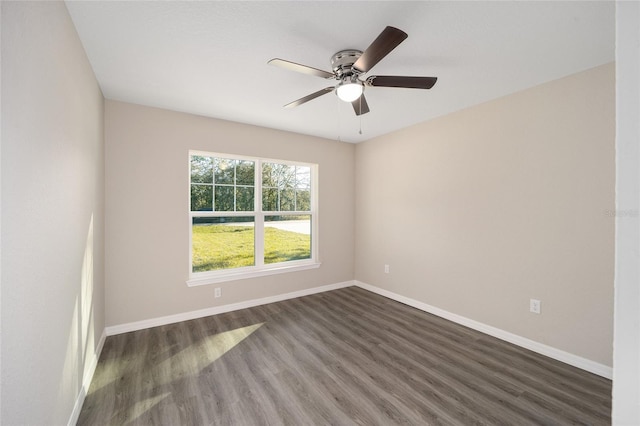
[258, 216]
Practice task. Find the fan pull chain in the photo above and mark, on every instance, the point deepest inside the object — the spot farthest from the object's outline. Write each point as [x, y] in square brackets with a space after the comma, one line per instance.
[360, 101]
[338, 114]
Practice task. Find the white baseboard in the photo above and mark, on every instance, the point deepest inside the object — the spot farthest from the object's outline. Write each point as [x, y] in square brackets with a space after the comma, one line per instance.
[186, 316]
[86, 381]
[557, 354]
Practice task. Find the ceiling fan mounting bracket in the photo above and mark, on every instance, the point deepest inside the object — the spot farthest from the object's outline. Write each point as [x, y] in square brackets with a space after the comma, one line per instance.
[342, 62]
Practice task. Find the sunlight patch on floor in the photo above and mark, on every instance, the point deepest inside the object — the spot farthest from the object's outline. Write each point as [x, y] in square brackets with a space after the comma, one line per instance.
[199, 355]
[142, 407]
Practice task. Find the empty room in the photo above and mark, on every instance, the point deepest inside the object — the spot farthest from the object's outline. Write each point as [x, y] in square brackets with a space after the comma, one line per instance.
[320, 212]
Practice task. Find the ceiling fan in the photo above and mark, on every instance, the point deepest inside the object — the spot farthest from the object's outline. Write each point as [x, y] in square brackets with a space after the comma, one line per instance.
[349, 68]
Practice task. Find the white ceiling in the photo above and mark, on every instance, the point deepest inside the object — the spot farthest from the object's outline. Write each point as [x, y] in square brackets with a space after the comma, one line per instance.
[210, 57]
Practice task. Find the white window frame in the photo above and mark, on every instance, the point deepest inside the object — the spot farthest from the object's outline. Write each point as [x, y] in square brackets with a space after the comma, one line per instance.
[260, 268]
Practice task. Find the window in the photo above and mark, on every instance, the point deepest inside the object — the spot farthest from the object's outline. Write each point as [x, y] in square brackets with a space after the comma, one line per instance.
[250, 217]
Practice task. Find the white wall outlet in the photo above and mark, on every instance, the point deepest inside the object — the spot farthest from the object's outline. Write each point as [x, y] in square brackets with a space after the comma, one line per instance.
[217, 292]
[534, 306]
[386, 269]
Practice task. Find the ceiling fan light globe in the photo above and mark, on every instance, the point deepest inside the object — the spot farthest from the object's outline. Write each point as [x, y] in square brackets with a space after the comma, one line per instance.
[349, 92]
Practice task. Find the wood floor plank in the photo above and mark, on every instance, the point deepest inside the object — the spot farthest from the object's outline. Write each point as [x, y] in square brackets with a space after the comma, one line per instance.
[345, 357]
[482, 406]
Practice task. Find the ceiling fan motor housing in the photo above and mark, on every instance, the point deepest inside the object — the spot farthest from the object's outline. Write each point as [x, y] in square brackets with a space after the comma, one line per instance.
[342, 63]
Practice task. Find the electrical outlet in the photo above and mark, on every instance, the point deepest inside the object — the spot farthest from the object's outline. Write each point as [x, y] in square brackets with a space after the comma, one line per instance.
[534, 306]
[386, 269]
[217, 292]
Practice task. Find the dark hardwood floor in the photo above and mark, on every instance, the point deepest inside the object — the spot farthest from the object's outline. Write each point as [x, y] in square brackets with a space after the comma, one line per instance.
[342, 357]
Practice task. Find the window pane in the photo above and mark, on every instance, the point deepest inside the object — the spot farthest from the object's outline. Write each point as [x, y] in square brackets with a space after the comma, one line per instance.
[287, 238]
[269, 175]
[303, 177]
[269, 200]
[201, 169]
[224, 199]
[287, 200]
[303, 200]
[245, 173]
[201, 198]
[244, 199]
[278, 175]
[222, 243]
[224, 171]
[287, 177]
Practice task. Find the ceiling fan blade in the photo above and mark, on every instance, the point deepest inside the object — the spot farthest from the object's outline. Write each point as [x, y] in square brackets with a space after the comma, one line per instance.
[292, 66]
[310, 97]
[360, 105]
[400, 81]
[388, 40]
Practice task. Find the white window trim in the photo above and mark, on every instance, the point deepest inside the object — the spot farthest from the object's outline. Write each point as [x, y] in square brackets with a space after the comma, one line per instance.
[241, 274]
[259, 269]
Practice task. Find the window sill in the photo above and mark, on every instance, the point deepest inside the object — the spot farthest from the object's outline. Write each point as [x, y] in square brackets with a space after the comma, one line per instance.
[241, 275]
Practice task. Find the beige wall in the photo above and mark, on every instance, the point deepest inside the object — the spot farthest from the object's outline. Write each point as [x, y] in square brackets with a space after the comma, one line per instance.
[147, 221]
[52, 214]
[481, 210]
